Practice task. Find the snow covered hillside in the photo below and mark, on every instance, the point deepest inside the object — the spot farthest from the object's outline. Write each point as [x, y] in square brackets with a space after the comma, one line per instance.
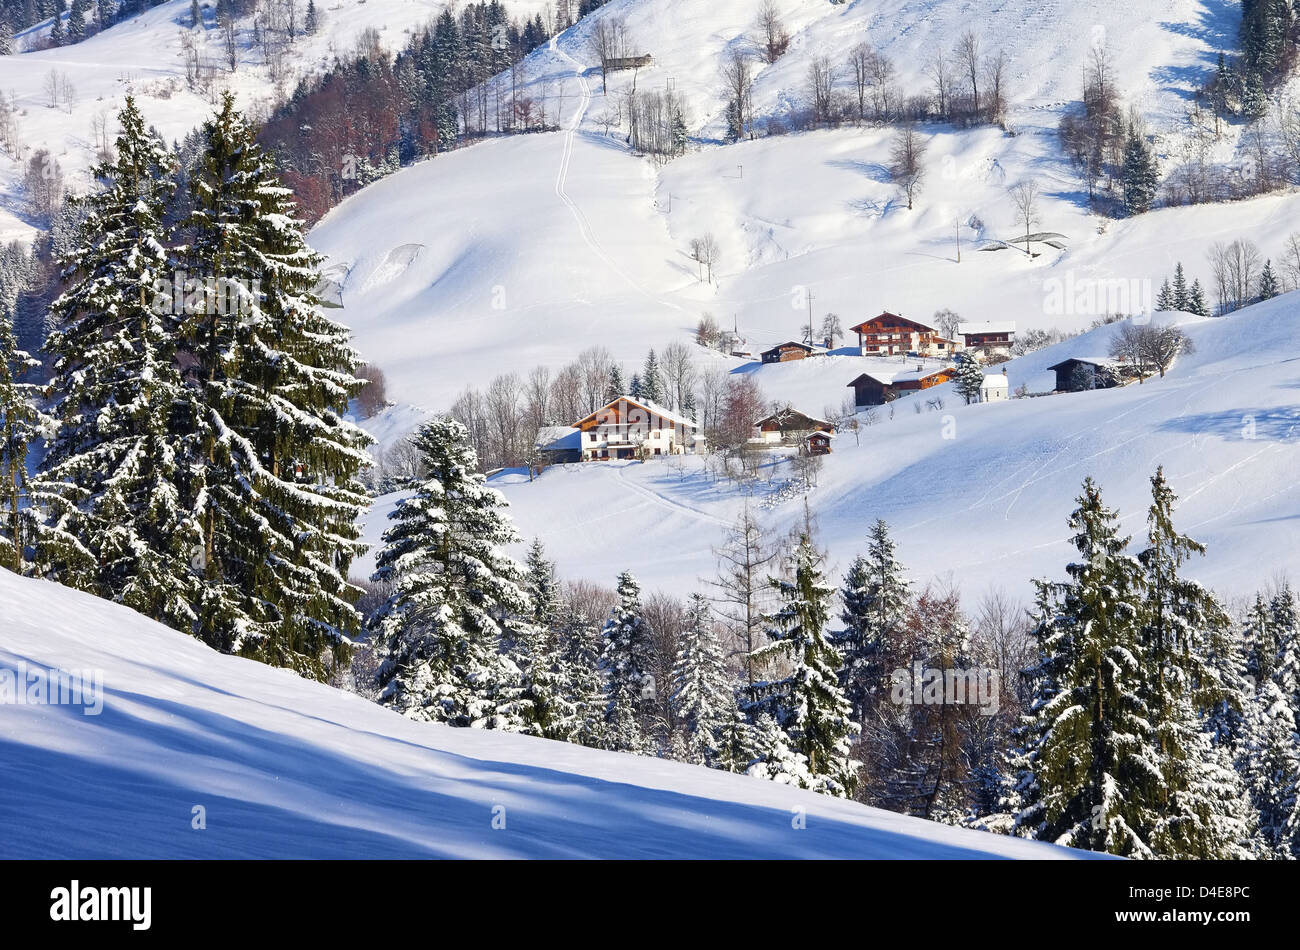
[1158, 47]
[145, 56]
[523, 252]
[283, 767]
[982, 491]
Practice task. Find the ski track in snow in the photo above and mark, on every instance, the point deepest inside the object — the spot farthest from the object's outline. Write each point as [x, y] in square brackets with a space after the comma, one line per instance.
[671, 504]
[562, 181]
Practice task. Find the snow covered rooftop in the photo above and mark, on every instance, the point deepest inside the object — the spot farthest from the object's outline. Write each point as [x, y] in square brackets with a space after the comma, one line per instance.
[557, 438]
[987, 326]
[652, 407]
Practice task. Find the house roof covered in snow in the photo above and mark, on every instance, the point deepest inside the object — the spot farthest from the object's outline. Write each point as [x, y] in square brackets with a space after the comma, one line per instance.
[558, 438]
[987, 326]
[890, 377]
[994, 381]
[894, 317]
[1103, 361]
[651, 407]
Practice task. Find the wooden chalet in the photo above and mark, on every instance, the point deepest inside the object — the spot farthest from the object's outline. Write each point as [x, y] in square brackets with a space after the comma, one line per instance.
[785, 352]
[818, 443]
[889, 334]
[789, 424]
[877, 387]
[988, 339]
[1086, 372]
[628, 428]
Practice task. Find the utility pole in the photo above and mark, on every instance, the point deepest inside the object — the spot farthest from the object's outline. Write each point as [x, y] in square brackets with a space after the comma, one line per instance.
[810, 329]
[958, 239]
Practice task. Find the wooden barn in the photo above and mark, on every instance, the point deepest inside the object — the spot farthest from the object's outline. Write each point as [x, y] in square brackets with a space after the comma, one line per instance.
[1086, 372]
[628, 62]
[785, 352]
[879, 387]
[889, 334]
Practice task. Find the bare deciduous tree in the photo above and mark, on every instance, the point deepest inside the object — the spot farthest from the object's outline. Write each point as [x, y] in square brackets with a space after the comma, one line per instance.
[906, 166]
[1290, 260]
[742, 590]
[1024, 199]
[704, 251]
[967, 55]
[774, 38]
[738, 84]
[821, 80]
[1235, 267]
[677, 364]
[941, 75]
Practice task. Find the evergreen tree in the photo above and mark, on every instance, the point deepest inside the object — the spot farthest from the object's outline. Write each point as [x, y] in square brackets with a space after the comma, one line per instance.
[702, 692]
[1086, 761]
[77, 21]
[1268, 285]
[1222, 87]
[875, 598]
[20, 421]
[196, 15]
[1200, 804]
[1254, 98]
[776, 757]
[58, 36]
[1165, 299]
[1196, 300]
[544, 705]
[615, 388]
[969, 377]
[634, 388]
[111, 481]
[626, 662]
[652, 387]
[582, 644]
[312, 22]
[680, 135]
[1140, 175]
[277, 495]
[454, 590]
[1182, 298]
[540, 584]
[737, 743]
[1262, 645]
[734, 125]
[808, 704]
[1269, 760]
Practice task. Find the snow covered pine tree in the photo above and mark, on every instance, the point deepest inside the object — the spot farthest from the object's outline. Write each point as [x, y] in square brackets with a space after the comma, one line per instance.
[807, 704]
[111, 483]
[276, 498]
[455, 590]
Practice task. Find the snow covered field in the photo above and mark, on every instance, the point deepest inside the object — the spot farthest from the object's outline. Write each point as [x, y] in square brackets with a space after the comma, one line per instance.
[982, 492]
[283, 767]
